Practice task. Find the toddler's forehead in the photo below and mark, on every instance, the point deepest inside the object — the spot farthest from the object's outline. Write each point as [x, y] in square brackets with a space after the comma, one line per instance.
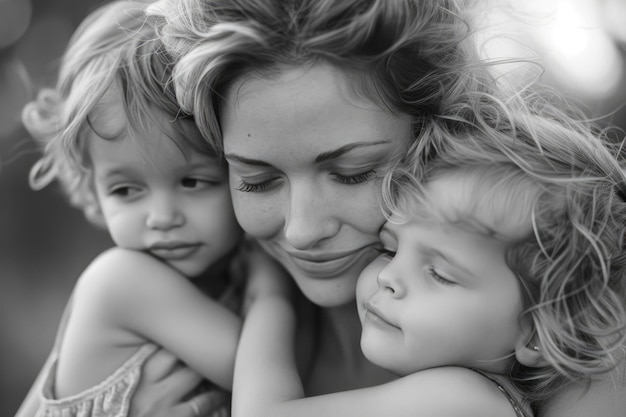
[467, 201]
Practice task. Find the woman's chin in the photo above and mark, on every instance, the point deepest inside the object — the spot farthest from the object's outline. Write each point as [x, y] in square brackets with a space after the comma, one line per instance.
[334, 292]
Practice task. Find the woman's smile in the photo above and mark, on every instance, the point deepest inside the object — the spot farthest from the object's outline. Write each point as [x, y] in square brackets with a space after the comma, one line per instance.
[328, 264]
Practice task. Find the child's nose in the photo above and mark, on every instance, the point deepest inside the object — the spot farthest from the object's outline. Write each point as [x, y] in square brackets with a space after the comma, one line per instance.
[164, 214]
[390, 279]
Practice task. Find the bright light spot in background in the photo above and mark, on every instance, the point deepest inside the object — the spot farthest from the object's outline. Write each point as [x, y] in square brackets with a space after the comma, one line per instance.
[582, 54]
[568, 34]
[614, 14]
[14, 19]
[577, 52]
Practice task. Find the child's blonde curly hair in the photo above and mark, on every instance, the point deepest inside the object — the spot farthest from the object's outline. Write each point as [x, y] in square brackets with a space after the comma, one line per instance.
[113, 50]
[532, 157]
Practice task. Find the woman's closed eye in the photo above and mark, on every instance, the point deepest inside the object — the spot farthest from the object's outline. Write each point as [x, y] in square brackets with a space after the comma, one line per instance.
[266, 182]
[256, 187]
[354, 179]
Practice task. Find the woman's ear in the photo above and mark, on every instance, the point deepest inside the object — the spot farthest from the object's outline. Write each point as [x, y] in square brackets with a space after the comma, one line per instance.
[527, 349]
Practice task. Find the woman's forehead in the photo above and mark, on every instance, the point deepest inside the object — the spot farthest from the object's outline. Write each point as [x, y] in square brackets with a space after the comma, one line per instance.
[305, 107]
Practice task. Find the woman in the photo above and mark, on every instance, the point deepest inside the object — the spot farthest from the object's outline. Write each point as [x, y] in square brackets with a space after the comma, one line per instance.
[311, 102]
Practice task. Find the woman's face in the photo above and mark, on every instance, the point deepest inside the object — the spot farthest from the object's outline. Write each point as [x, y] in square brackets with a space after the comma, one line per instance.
[306, 159]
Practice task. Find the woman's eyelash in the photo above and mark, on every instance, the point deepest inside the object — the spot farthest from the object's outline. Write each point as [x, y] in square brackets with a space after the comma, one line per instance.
[355, 179]
[247, 187]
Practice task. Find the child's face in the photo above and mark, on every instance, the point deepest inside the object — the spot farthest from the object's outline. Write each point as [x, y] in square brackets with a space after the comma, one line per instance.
[156, 201]
[444, 295]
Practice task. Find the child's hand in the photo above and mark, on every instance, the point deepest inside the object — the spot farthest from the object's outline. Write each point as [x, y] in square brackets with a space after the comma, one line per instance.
[165, 387]
[266, 277]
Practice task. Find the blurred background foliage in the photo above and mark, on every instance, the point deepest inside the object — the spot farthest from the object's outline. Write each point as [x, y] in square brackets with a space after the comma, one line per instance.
[45, 244]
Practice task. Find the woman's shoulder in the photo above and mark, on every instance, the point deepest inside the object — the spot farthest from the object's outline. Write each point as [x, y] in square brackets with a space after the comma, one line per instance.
[605, 396]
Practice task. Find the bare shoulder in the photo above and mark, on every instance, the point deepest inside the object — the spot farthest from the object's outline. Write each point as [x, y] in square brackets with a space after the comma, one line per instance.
[604, 397]
[116, 274]
[460, 391]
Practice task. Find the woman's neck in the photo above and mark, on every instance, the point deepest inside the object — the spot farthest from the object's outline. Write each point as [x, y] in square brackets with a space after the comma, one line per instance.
[340, 331]
[218, 277]
[338, 363]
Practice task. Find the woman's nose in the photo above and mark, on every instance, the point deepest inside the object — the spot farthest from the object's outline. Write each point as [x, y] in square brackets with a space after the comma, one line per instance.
[390, 279]
[310, 217]
[164, 213]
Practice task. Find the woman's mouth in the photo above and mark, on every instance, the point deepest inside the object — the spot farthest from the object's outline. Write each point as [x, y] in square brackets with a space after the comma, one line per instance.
[329, 265]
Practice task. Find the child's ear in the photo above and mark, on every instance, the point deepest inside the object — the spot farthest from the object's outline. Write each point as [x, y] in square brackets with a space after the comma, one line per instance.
[527, 349]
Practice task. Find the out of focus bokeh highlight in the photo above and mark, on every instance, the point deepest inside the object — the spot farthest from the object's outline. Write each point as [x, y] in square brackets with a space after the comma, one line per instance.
[45, 244]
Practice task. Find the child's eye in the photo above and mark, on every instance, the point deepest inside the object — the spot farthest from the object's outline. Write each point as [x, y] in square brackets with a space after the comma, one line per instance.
[437, 277]
[388, 253]
[124, 191]
[355, 179]
[198, 183]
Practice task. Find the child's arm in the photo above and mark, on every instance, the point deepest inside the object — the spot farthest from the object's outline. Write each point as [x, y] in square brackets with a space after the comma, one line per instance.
[126, 298]
[266, 382]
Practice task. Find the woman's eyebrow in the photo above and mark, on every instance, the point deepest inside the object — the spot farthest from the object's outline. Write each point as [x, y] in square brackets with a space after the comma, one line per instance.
[322, 157]
[334, 154]
[246, 160]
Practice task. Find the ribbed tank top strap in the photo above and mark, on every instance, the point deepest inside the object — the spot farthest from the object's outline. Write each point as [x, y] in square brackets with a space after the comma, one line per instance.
[520, 406]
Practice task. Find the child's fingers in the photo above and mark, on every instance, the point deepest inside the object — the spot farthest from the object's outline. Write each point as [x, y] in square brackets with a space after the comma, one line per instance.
[209, 403]
[180, 383]
[162, 387]
[161, 364]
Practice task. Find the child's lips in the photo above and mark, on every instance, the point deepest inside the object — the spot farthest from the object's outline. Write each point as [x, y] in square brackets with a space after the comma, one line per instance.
[172, 251]
[376, 317]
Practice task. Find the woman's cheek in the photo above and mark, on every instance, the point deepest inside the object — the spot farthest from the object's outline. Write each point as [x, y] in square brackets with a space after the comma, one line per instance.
[259, 217]
[367, 284]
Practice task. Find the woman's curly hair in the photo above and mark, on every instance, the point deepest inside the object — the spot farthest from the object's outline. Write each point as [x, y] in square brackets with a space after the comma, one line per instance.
[406, 55]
